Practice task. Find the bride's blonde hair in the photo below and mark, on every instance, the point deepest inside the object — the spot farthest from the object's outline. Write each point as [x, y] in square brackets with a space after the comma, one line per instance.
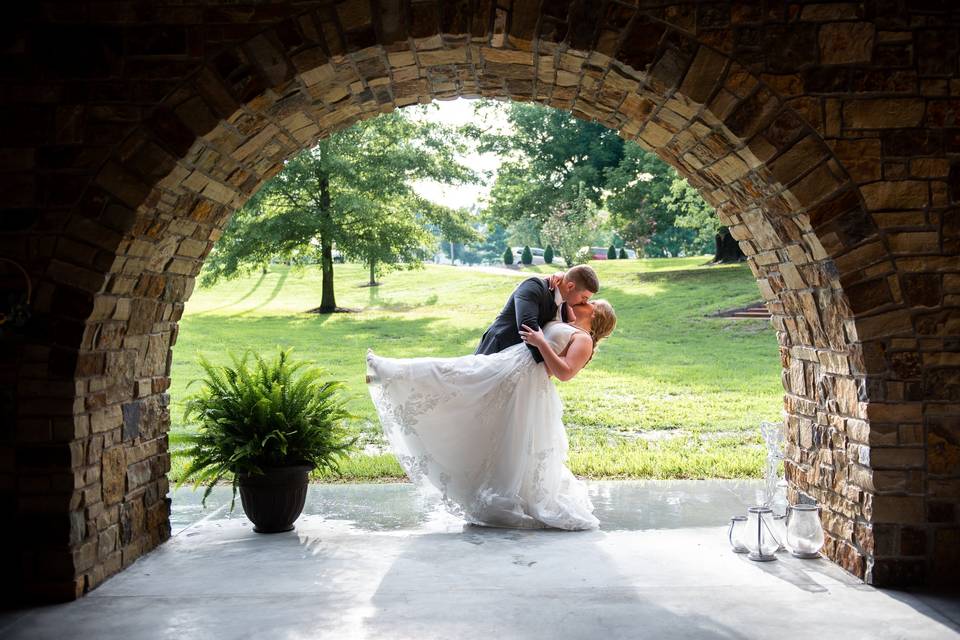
[603, 322]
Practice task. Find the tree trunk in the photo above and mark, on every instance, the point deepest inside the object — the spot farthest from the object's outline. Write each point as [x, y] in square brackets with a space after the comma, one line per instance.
[728, 249]
[373, 272]
[328, 303]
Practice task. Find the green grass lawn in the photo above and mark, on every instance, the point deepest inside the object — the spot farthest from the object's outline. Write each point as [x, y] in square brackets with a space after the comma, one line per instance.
[672, 394]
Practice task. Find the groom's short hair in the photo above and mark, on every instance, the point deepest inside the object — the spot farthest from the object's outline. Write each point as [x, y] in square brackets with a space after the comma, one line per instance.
[583, 277]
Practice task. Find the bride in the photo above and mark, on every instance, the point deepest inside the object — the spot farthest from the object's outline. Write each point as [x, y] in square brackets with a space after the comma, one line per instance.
[486, 431]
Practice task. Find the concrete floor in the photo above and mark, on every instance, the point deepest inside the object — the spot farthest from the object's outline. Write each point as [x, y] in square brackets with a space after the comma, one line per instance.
[381, 561]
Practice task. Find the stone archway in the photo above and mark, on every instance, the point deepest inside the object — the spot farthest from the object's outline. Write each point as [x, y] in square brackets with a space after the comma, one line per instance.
[824, 150]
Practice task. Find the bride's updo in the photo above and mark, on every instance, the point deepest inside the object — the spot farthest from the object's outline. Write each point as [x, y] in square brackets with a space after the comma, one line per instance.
[603, 322]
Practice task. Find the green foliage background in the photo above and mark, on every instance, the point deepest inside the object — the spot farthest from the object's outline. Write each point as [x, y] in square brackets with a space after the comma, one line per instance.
[673, 393]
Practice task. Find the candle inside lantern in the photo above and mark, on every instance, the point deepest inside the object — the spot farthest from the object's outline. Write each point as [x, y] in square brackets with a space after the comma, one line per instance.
[804, 531]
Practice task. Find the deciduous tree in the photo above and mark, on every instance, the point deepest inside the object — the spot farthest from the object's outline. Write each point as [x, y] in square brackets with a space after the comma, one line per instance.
[352, 191]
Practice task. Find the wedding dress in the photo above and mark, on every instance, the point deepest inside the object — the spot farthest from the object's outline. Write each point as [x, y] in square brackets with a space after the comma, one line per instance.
[486, 433]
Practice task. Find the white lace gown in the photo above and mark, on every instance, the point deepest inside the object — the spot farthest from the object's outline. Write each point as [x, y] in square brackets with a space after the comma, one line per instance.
[486, 432]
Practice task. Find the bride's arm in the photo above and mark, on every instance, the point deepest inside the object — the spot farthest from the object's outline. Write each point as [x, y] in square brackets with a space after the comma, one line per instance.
[566, 367]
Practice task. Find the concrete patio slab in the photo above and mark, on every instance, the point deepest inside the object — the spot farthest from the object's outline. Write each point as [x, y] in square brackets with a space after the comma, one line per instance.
[383, 561]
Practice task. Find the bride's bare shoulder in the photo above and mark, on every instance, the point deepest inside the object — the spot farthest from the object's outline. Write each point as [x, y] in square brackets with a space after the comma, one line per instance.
[581, 335]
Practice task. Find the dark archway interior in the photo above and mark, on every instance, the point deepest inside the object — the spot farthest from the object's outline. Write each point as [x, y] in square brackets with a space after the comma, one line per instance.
[824, 134]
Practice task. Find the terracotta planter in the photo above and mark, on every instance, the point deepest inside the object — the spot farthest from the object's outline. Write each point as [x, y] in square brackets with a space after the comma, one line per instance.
[274, 500]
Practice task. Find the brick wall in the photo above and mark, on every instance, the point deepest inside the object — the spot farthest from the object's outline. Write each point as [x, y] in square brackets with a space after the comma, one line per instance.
[824, 134]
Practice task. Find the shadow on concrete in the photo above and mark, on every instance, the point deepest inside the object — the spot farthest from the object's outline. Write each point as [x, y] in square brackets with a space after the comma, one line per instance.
[381, 561]
[942, 605]
[482, 582]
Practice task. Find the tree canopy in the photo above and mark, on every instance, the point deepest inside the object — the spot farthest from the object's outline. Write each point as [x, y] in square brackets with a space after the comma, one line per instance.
[554, 160]
[569, 226]
[656, 210]
[352, 191]
[551, 158]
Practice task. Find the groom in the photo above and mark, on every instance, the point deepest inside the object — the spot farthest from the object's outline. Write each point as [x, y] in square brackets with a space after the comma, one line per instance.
[537, 301]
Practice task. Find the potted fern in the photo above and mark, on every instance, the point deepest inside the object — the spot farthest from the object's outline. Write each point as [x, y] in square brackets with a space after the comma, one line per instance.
[265, 425]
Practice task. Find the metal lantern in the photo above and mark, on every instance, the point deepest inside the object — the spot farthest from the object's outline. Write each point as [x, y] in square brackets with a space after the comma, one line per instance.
[761, 541]
[804, 531]
[737, 534]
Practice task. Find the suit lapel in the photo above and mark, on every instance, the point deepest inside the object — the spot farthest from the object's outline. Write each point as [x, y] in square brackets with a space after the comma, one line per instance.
[550, 309]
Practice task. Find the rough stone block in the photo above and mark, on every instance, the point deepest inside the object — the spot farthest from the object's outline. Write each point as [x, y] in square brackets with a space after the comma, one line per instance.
[902, 194]
[106, 419]
[918, 242]
[132, 521]
[139, 474]
[943, 452]
[132, 413]
[113, 475]
[818, 184]
[846, 42]
[895, 413]
[861, 158]
[796, 161]
[897, 457]
[107, 542]
[703, 75]
[883, 113]
[899, 509]
[443, 57]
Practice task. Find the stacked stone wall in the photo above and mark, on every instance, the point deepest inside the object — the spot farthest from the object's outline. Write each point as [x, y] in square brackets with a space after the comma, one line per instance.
[825, 135]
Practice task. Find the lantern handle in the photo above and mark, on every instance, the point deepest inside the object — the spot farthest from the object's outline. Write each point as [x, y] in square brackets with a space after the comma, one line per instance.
[767, 527]
[26, 277]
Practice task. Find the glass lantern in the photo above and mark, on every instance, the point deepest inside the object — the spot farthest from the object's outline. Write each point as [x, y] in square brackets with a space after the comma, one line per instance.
[779, 503]
[804, 531]
[780, 530]
[761, 541]
[737, 534]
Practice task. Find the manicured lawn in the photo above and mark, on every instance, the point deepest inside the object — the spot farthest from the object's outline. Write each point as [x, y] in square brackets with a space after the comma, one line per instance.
[672, 394]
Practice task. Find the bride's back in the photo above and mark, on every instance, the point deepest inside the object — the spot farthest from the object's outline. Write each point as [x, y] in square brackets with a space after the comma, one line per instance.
[559, 334]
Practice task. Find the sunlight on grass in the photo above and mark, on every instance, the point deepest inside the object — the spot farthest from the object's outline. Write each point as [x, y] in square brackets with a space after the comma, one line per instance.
[667, 368]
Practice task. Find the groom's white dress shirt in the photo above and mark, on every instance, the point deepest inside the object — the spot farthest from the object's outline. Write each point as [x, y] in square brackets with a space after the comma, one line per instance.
[558, 300]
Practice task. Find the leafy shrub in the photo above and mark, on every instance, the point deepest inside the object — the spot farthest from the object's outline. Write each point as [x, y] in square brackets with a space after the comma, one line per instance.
[271, 414]
[582, 256]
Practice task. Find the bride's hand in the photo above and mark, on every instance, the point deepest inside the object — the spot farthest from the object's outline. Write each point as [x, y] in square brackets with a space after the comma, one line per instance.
[531, 336]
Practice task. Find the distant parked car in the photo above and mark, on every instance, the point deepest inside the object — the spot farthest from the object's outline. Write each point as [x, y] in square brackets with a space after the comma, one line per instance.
[600, 253]
[536, 251]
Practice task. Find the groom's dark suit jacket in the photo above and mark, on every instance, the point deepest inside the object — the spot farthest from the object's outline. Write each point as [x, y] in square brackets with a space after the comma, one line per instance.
[531, 303]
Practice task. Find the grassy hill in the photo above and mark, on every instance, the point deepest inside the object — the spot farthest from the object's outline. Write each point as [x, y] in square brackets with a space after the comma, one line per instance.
[671, 394]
